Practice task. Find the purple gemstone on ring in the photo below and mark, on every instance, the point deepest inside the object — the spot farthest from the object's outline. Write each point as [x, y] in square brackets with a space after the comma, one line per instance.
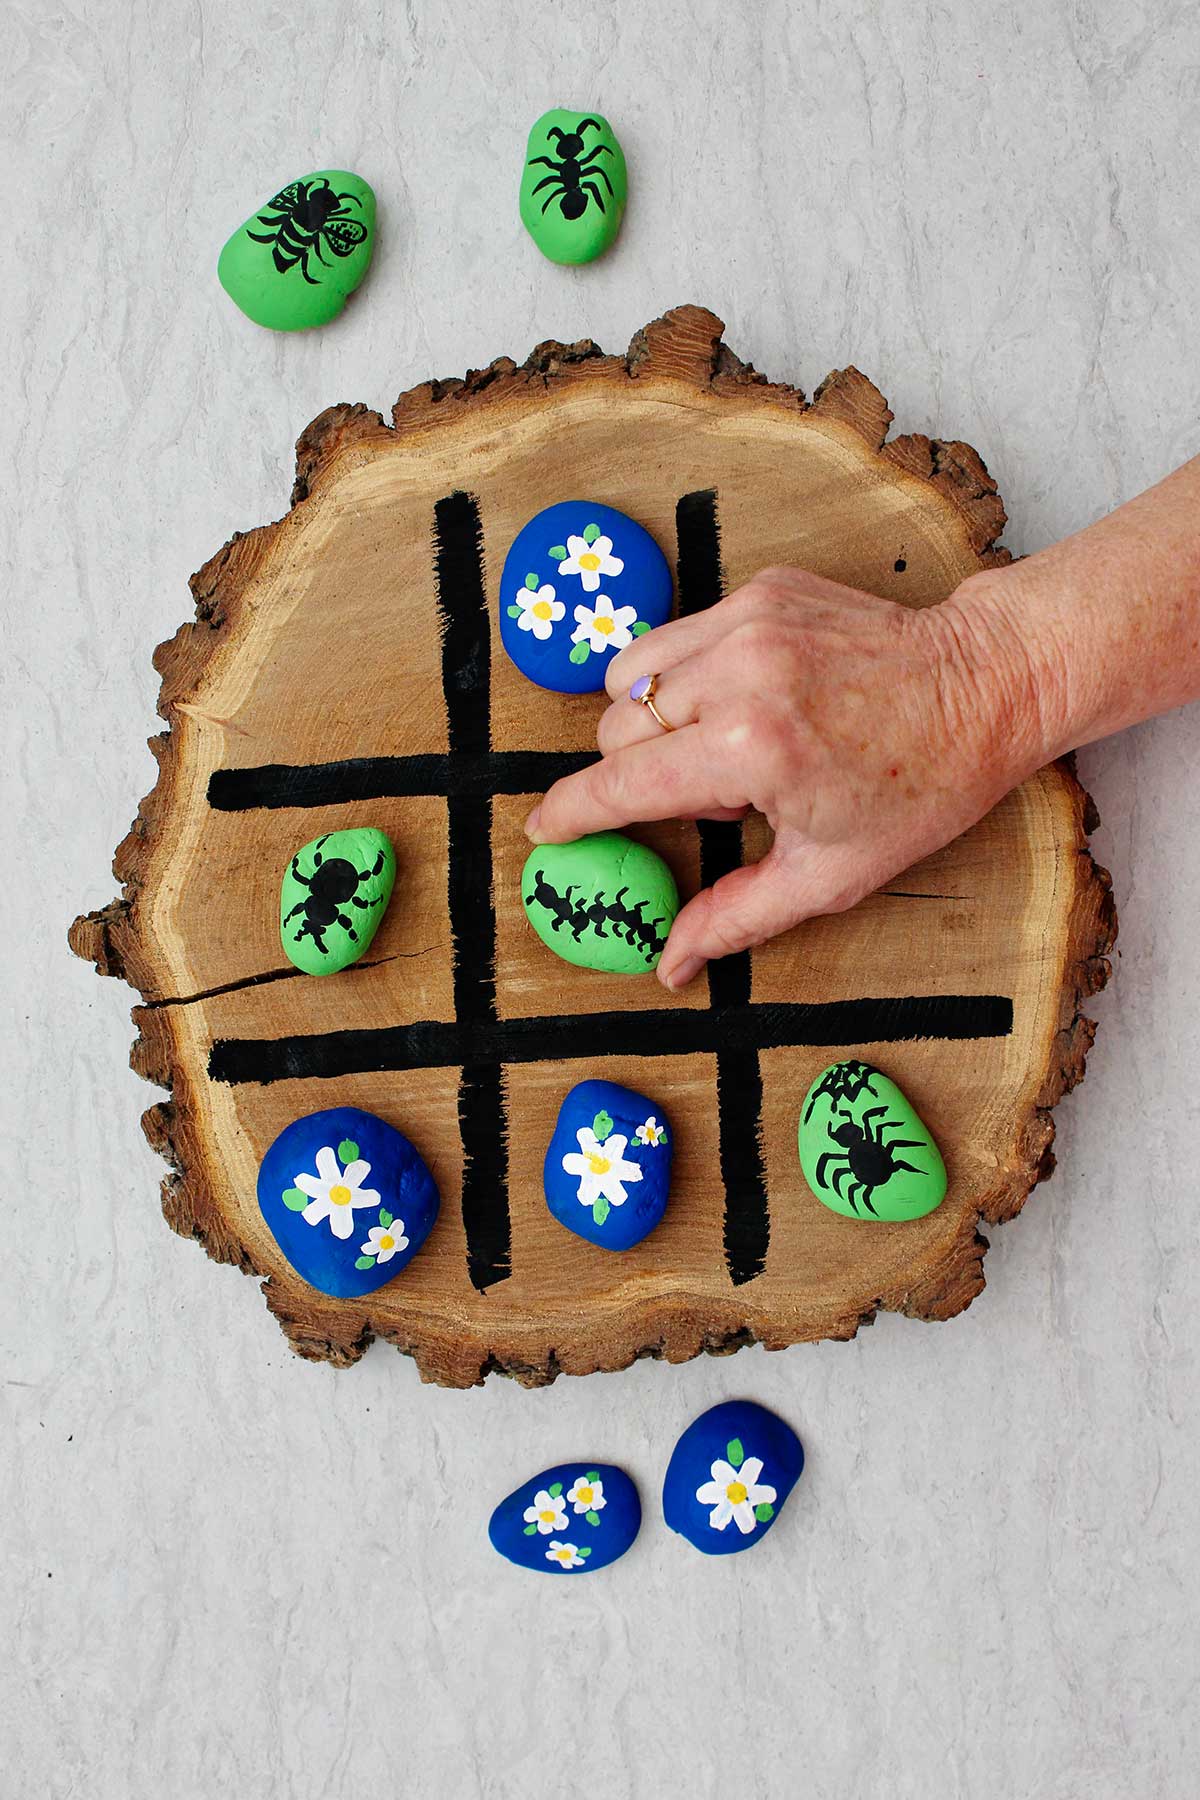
[641, 687]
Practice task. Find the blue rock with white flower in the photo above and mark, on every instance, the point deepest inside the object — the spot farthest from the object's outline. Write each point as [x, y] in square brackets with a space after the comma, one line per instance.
[569, 1520]
[607, 1172]
[580, 582]
[347, 1198]
[729, 1476]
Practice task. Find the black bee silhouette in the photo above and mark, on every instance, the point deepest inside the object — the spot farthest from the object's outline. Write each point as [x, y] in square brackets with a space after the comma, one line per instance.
[331, 886]
[302, 217]
[572, 171]
[864, 1157]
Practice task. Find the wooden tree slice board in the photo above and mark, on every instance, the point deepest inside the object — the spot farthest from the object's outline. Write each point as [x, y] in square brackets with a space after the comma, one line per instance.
[345, 668]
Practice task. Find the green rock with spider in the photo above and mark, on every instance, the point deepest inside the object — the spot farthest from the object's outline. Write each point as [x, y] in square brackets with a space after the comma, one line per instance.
[333, 894]
[865, 1151]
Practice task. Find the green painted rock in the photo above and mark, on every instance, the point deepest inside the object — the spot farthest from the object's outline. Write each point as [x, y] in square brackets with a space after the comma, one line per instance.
[864, 1152]
[573, 186]
[294, 263]
[602, 902]
[334, 893]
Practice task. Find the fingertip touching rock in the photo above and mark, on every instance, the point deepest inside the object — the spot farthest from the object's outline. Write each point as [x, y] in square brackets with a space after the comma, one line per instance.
[601, 902]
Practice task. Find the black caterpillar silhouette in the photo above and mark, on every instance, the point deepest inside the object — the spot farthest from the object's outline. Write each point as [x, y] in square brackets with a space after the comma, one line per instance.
[577, 915]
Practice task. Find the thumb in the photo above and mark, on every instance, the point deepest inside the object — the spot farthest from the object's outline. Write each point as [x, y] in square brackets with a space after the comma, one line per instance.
[743, 908]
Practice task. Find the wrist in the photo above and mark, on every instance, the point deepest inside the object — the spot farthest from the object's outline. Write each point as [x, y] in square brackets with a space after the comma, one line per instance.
[1006, 676]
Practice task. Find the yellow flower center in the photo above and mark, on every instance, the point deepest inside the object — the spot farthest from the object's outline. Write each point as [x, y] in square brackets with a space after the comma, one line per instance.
[599, 1165]
[339, 1196]
[540, 609]
[564, 1556]
[387, 1241]
[547, 1516]
[590, 561]
[604, 625]
[585, 1494]
[736, 1492]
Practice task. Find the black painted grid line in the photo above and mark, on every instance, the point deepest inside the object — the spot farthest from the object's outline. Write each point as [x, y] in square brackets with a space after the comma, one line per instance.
[465, 773]
[466, 683]
[747, 1223]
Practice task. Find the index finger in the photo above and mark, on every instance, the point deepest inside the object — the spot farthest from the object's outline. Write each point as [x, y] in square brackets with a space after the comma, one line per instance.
[669, 777]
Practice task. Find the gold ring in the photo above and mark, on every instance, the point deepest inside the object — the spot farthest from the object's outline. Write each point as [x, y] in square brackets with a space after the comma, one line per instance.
[643, 692]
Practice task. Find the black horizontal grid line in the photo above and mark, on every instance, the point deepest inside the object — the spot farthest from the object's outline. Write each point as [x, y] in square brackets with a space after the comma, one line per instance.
[477, 1041]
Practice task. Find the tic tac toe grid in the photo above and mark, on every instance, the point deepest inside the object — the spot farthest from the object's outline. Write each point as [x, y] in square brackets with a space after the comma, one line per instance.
[477, 1041]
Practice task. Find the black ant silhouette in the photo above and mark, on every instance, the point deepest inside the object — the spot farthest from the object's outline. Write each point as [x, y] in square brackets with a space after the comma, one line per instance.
[331, 885]
[303, 215]
[618, 915]
[565, 913]
[571, 171]
[865, 1157]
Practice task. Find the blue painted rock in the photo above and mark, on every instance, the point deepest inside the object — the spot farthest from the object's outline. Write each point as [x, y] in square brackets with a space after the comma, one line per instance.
[865, 1151]
[729, 1476]
[580, 583]
[568, 1520]
[348, 1200]
[608, 1167]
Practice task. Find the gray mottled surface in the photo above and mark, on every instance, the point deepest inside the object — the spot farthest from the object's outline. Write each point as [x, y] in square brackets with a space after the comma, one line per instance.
[225, 1572]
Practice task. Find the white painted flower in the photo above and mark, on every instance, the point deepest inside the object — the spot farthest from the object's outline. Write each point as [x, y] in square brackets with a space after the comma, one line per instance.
[540, 611]
[734, 1494]
[586, 1496]
[335, 1192]
[385, 1241]
[590, 561]
[547, 1512]
[565, 1555]
[651, 1133]
[601, 1168]
[602, 628]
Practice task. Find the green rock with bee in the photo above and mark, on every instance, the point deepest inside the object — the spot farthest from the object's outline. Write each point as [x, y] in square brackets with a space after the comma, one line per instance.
[294, 262]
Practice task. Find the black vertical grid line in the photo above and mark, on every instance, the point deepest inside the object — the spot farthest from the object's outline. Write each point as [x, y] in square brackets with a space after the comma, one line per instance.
[466, 683]
[747, 1224]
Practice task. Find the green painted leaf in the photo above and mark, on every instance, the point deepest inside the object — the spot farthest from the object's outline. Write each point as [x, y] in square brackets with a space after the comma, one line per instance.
[555, 1491]
[294, 1200]
[601, 1126]
[364, 1262]
[764, 1511]
[385, 1217]
[558, 552]
[592, 1477]
[514, 612]
[532, 583]
[348, 1150]
[580, 653]
[601, 1210]
[640, 629]
[593, 1518]
[590, 533]
[586, 1550]
[735, 1456]
[529, 1530]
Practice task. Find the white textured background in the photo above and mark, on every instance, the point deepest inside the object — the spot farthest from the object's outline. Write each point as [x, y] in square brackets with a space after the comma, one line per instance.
[225, 1572]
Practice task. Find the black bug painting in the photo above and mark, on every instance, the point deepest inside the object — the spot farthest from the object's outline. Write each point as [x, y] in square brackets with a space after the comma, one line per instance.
[573, 186]
[333, 896]
[864, 1151]
[575, 171]
[303, 217]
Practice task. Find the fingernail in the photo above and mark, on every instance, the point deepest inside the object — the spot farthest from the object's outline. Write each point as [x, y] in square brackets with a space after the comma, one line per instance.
[531, 823]
[683, 972]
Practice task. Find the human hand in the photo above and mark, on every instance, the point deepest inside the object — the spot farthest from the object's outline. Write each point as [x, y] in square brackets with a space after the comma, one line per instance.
[868, 734]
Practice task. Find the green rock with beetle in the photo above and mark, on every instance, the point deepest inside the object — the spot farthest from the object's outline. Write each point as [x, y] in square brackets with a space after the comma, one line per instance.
[334, 893]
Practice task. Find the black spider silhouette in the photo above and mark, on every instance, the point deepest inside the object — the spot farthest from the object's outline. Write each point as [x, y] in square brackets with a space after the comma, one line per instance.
[302, 217]
[331, 886]
[865, 1157]
[572, 171]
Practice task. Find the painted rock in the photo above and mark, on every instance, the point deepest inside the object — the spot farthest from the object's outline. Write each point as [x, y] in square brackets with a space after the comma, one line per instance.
[573, 186]
[298, 258]
[580, 582]
[334, 893]
[347, 1198]
[569, 1520]
[729, 1476]
[602, 902]
[864, 1151]
[608, 1166]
